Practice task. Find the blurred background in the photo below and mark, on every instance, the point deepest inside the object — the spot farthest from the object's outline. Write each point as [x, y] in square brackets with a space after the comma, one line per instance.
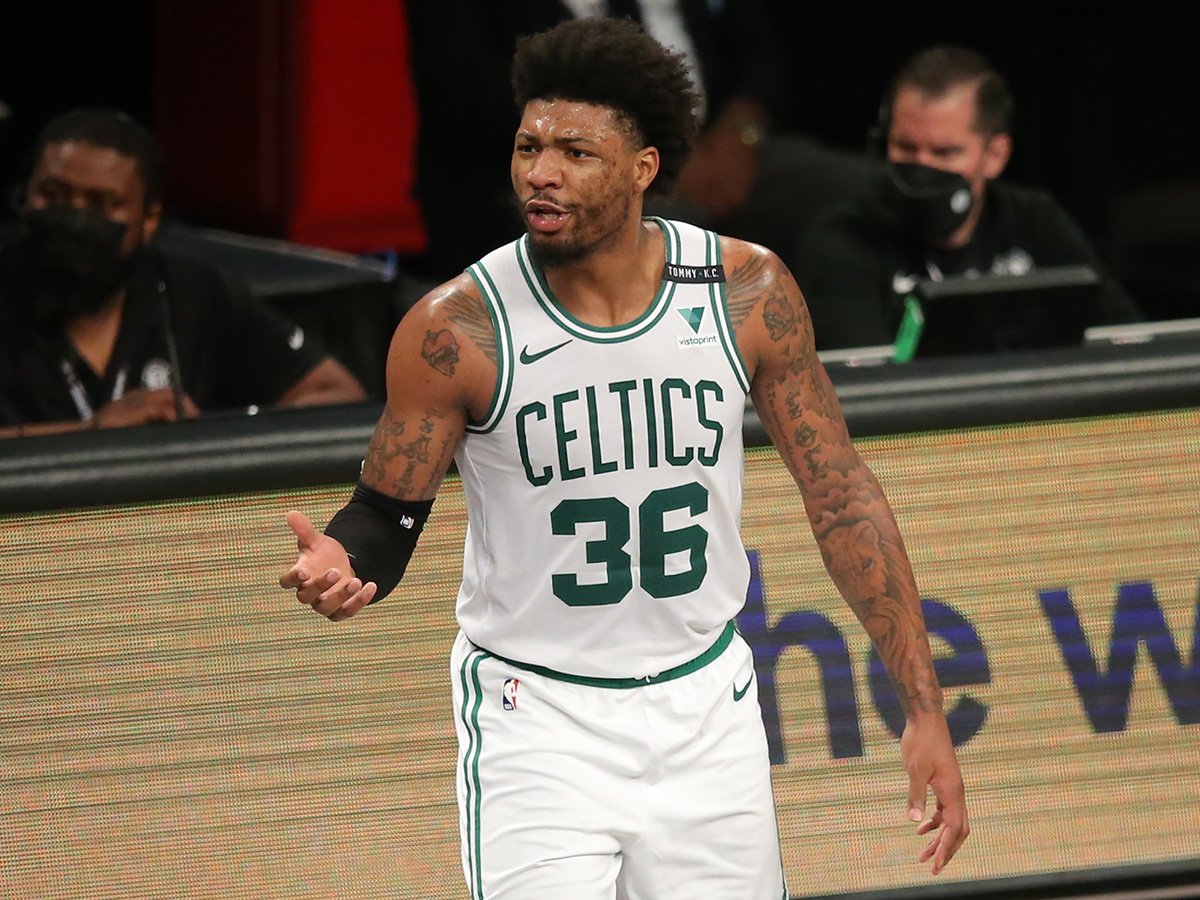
[296, 119]
[169, 723]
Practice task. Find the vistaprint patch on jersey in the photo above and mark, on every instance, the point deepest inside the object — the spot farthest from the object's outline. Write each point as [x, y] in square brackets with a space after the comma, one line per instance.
[694, 274]
[694, 316]
[508, 696]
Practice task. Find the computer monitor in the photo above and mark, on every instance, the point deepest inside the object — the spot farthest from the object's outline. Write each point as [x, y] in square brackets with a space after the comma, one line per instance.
[1046, 307]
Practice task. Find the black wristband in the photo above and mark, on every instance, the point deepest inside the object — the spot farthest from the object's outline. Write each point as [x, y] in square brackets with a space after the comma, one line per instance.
[379, 533]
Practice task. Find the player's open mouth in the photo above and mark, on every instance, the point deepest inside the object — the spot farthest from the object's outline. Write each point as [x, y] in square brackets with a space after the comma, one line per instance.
[545, 218]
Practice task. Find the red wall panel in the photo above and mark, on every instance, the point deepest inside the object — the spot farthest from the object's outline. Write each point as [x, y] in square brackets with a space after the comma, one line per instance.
[294, 119]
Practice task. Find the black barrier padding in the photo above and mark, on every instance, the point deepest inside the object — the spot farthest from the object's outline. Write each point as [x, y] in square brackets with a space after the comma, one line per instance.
[294, 448]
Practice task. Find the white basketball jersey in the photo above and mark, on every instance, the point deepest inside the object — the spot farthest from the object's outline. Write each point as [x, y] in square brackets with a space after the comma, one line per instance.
[604, 486]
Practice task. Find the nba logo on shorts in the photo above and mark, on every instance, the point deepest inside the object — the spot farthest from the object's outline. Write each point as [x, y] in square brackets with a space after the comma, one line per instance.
[509, 694]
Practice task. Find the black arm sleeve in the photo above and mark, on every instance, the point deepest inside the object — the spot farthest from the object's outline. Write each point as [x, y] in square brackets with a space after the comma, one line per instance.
[379, 534]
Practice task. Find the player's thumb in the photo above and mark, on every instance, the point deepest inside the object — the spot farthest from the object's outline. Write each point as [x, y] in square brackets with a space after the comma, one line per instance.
[306, 533]
[916, 798]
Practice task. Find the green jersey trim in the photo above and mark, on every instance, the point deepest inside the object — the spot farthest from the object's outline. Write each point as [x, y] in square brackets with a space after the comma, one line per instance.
[472, 700]
[536, 281]
[671, 674]
[720, 304]
[504, 351]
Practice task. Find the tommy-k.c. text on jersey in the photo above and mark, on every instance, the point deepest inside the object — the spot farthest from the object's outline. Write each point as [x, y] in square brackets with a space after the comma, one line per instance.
[604, 485]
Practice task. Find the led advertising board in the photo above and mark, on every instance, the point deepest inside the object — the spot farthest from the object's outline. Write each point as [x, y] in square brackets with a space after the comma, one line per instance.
[174, 725]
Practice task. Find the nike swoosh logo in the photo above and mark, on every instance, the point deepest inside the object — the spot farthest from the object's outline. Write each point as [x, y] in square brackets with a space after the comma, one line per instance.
[527, 357]
[738, 695]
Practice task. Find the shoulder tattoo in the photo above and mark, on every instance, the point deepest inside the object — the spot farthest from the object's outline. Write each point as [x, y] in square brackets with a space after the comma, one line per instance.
[471, 315]
[744, 286]
[440, 350]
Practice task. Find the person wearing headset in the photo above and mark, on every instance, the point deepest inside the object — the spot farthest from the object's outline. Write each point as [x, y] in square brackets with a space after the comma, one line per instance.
[937, 209]
[99, 329]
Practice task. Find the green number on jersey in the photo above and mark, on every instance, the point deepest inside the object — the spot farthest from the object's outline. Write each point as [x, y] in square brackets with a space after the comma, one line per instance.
[615, 516]
[656, 542]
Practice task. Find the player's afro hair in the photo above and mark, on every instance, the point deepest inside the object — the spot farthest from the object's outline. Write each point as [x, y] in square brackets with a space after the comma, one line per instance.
[614, 63]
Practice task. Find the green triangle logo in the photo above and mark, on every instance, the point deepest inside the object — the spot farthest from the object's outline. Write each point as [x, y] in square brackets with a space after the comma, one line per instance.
[693, 316]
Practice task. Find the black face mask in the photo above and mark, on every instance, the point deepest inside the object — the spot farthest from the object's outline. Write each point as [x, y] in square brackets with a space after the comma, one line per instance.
[927, 202]
[63, 262]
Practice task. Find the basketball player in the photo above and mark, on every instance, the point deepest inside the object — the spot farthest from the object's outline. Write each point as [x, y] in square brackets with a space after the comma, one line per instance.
[590, 380]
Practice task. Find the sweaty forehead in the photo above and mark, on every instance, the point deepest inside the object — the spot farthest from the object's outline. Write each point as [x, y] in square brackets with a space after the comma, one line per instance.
[88, 167]
[574, 119]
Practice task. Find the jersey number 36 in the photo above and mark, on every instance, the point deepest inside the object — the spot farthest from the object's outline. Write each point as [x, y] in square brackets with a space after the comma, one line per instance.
[655, 543]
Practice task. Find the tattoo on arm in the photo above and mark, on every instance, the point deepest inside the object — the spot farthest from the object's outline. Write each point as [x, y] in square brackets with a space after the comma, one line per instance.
[744, 288]
[779, 316]
[440, 350]
[850, 517]
[472, 316]
[408, 467]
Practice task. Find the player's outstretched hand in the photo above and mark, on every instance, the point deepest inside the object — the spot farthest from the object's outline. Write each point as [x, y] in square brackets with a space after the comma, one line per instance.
[929, 759]
[322, 576]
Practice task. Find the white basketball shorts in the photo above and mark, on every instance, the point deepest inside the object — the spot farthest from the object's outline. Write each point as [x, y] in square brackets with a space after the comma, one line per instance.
[626, 791]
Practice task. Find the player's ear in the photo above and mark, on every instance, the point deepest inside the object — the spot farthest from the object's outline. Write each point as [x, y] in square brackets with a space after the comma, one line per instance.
[645, 168]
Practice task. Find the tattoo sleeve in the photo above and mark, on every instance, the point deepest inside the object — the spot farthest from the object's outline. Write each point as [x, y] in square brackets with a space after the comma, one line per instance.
[854, 526]
[421, 424]
[404, 461]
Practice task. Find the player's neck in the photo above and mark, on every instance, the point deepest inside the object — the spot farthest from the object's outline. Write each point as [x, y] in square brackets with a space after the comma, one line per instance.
[617, 282]
[94, 335]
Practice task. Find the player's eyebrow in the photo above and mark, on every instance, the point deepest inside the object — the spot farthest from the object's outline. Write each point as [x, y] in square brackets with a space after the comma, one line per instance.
[564, 140]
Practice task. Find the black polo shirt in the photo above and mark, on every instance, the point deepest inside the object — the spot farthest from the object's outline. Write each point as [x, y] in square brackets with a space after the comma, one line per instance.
[233, 351]
[857, 266]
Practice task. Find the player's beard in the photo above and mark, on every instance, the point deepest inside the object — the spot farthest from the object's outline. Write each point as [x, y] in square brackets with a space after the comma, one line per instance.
[589, 228]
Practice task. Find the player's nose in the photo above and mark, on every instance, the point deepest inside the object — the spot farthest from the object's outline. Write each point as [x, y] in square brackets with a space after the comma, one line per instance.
[545, 171]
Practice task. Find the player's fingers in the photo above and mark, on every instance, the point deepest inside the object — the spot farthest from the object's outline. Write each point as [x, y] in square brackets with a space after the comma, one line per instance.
[928, 850]
[932, 823]
[306, 533]
[332, 599]
[294, 577]
[356, 603]
[916, 797]
[954, 840]
[941, 849]
[310, 592]
[950, 836]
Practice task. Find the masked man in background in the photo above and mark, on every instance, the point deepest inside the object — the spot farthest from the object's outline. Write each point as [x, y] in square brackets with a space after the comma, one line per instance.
[100, 329]
[936, 209]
